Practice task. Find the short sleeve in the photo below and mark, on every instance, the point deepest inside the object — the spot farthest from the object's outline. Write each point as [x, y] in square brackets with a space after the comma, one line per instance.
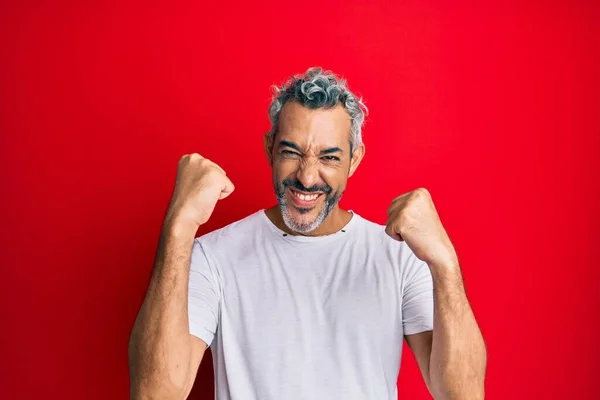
[417, 297]
[203, 295]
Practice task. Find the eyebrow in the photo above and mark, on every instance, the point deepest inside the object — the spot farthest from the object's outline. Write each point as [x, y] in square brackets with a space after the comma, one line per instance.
[285, 143]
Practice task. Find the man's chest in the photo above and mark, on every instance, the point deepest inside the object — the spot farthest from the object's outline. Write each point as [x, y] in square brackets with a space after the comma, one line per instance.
[352, 295]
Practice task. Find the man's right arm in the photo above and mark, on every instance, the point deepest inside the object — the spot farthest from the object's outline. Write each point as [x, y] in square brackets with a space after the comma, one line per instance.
[163, 356]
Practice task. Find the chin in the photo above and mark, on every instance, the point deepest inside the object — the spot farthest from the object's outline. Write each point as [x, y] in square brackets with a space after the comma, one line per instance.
[302, 221]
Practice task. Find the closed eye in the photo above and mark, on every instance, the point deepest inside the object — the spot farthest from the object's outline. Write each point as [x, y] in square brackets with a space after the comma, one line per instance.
[289, 153]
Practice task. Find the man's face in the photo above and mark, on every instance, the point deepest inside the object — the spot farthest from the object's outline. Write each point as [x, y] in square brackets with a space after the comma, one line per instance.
[311, 163]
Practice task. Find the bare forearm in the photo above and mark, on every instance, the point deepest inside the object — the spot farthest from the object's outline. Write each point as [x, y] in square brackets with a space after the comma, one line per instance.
[458, 355]
[160, 348]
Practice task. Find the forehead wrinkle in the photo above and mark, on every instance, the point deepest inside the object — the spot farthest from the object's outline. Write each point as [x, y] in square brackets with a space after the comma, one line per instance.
[314, 130]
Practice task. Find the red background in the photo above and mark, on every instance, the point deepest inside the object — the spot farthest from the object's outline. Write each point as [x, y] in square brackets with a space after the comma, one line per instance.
[495, 109]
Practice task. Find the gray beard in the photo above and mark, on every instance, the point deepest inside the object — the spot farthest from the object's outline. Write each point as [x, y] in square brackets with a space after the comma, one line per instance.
[304, 227]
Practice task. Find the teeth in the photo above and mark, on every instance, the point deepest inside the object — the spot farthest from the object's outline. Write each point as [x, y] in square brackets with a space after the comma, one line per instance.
[304, 197]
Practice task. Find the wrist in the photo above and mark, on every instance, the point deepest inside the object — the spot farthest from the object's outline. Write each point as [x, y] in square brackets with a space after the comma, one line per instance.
[446, 271]
[444, 265]
[180, 227]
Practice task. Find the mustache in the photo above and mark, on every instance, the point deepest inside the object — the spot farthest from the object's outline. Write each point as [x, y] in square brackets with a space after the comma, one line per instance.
[296, 184]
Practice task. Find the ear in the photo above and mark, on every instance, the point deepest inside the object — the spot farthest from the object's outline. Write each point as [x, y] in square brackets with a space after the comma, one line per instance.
[357, 156]
[268, 144]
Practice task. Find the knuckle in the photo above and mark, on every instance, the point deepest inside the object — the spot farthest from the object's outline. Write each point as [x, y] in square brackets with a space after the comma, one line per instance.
[404, 217]
[423, 192]
[214, 168]
[196, 159]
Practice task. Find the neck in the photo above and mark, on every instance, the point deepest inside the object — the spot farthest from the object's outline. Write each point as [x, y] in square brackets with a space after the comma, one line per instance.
[335, 221]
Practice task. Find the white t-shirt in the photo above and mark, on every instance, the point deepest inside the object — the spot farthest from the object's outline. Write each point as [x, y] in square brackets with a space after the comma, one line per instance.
[297, 317]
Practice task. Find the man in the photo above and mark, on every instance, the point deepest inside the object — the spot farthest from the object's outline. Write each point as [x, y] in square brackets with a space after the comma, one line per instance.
[304, 300]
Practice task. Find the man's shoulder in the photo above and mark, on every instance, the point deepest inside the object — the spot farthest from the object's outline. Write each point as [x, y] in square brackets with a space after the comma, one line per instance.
[373, 235]
[245, 227]
[368, 224]
[369, 228]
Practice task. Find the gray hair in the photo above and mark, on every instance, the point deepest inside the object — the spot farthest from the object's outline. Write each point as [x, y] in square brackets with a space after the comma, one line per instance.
[319, 88]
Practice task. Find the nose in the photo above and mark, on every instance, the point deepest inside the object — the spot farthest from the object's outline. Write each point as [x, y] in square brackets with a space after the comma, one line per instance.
[308, 172]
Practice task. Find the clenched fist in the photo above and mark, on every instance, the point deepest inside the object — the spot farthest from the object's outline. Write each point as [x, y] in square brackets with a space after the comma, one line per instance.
[412, 218]
[199, 185]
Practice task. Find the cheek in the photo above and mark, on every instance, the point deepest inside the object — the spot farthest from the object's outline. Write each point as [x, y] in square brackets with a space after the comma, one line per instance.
[283, 169]
[335, 178]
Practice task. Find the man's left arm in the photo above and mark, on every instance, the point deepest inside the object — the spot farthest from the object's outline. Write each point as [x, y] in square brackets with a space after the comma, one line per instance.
[452, 358]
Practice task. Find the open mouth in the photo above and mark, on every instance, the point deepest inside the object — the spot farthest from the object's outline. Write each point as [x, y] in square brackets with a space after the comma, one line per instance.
[304, 199]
